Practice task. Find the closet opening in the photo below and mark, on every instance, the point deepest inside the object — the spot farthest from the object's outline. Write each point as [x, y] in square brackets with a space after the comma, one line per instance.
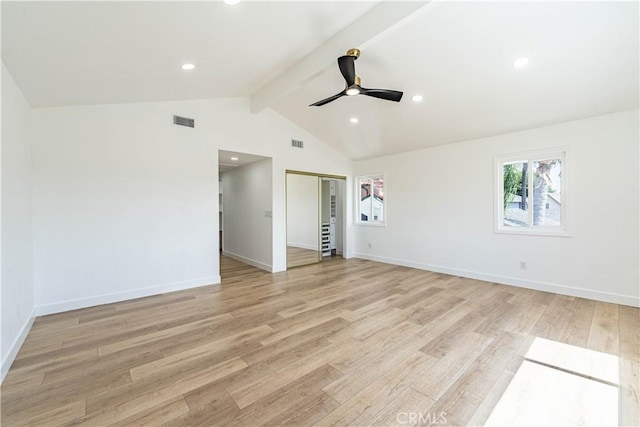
[315, 217]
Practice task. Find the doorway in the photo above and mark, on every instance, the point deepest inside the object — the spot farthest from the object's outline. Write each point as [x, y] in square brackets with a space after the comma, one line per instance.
[332, 217]
[245, 208]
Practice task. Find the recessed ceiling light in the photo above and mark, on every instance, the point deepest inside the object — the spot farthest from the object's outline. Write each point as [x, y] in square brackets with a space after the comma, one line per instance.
[188, 66]
[235, 159]
[231, 2]
[353, 120]
[520, 62]
[417, 98]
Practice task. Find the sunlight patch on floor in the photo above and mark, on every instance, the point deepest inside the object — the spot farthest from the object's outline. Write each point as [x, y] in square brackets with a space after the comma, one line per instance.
[560, 385]
[594, 364]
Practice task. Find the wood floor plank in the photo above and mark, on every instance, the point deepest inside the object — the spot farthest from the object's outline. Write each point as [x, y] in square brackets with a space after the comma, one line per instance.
[77, 330]
[556, 321]
[206, 353]
[368, 326]
[445, 323]
[19, 381]
[159, 335]
[434, 308]
[603, 334]
[365, 353]
[304, 325]
[277, 404]
[525, 319]
[582, 311]
[119, 364]
[449, 363]
[297, 257]
[51, 360]
[110, 336]
[629, 359]
[157, 415]
[32, 348]
[407, 407]
[291, 342]
[464, 397]
[449, 338]
[19, 407]
[58, 415]
[246, 395]
[374, 366]
[371, 309]
[491, 398]
[269, 367]
[421, 294]
[362, 406]
[208, 406]
[341, 342]
[307, 412]
[107, 408]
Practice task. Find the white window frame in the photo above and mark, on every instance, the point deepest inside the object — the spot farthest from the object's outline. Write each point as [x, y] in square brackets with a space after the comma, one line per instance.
[376, 223]
[561, 153]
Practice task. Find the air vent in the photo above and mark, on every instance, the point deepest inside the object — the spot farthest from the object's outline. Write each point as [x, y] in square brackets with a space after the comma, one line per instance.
[295, 143]
[184, 121]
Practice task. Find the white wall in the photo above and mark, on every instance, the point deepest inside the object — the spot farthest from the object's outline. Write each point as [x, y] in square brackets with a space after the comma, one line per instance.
[440, 206]
[16, 228]
[125, 202]
[269, 134]
[247, 197]
[302, 211]
[125, 205]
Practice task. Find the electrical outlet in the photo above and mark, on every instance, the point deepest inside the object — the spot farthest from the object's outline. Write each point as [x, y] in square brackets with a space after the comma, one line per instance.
[523, 265]
[370, 245]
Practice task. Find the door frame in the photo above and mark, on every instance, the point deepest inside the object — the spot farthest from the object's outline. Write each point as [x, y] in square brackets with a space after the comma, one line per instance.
[286, 195]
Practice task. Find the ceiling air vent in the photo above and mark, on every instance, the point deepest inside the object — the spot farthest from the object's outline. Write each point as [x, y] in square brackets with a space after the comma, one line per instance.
[184, 121]
[295, 143]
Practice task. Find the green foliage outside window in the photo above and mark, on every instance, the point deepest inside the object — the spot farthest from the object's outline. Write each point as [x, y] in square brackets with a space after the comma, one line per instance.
[512, 178]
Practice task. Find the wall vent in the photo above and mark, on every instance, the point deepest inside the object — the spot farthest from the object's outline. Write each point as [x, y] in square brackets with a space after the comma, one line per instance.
[295, 143]
[184, 121]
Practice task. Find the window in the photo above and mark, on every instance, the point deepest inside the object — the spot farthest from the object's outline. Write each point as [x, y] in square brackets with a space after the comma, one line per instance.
[531, 193]
[371, 208]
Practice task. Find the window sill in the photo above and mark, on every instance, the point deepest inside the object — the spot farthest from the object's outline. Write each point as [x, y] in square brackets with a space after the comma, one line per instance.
[372, 224]
[530, 232]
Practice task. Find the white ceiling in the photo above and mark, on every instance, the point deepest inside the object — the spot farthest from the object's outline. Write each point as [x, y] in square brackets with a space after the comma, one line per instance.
[583, 62]
[226, 163]
[88, 52]
[458, 55]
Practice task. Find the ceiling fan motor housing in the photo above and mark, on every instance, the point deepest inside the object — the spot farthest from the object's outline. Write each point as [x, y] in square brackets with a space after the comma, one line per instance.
[354, 52]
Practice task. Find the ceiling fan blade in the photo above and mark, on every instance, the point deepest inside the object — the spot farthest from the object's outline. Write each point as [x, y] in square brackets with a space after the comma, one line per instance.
[348, 68]
[386, 94]
[327, 100]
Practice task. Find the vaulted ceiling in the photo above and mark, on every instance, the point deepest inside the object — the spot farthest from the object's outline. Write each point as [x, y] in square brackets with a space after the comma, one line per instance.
[583, 56]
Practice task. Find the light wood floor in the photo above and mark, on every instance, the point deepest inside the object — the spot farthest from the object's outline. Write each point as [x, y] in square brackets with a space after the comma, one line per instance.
[299, 256]
[348, 342]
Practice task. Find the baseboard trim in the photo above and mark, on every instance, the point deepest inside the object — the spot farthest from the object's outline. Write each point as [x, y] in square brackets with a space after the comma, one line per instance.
[58, 307]
[512, 281]
[253, 262]
[16, 345]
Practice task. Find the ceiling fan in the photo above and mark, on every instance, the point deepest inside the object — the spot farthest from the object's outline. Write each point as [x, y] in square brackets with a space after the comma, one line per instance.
[347, 67]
